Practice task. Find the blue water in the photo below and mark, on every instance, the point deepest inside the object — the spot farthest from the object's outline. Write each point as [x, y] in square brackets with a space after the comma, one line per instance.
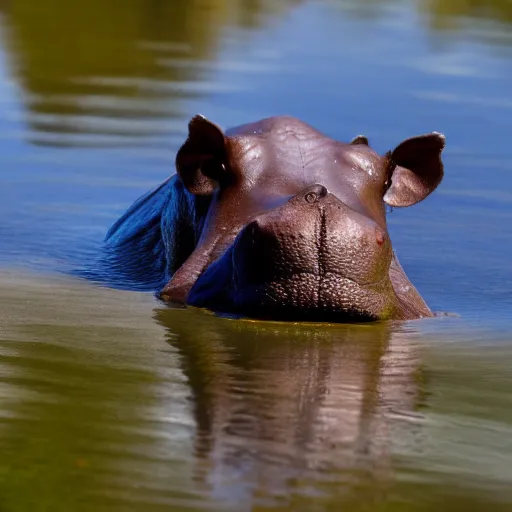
[91, 116]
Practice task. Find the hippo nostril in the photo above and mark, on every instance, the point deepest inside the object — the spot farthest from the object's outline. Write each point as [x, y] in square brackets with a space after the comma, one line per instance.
[314, 193]
[257, 231]
[322, 191]
[253, 229]
[311, 197]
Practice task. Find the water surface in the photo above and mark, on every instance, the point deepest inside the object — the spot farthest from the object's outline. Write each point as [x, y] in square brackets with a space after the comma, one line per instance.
[110, 400]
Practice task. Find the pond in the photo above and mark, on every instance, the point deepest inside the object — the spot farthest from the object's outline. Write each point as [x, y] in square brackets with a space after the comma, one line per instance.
[111, 400]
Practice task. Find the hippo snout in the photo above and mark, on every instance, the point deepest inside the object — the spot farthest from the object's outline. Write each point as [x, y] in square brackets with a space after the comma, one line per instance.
[274, 224]
[313, 257]
[313, 234]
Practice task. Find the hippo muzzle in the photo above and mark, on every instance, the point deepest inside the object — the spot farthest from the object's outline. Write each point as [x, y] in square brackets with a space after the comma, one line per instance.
[312, 258]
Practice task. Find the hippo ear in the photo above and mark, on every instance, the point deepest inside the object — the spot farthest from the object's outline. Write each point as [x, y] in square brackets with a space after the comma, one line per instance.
[414, 169]
[200, 160]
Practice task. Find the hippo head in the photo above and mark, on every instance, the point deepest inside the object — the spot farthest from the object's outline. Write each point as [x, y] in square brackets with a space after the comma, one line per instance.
[295, 223]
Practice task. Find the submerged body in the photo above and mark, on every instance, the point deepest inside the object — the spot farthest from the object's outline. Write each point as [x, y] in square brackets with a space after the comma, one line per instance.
[276, 220]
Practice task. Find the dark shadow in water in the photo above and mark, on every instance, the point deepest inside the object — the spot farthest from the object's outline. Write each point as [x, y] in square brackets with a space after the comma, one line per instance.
[283, 408]
[110, 72]
[455, 14]
[116, 68]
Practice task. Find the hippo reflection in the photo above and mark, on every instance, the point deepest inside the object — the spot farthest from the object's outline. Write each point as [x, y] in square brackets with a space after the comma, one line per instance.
[276, 220]
[273, 402]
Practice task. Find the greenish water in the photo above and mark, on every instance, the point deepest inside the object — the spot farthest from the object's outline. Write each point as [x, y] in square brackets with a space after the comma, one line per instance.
[110, 400]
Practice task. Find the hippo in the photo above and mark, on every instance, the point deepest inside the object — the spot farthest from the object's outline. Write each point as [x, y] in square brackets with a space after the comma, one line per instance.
[276, 220]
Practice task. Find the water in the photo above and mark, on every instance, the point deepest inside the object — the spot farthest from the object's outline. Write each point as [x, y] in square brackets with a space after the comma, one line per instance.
[110, 400]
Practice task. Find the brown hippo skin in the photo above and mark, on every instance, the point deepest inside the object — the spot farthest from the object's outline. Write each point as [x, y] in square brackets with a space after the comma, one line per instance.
[275, 220]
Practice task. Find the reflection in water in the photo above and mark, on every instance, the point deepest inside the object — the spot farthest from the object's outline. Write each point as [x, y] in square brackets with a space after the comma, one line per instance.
[93, 402]
[116, 68]
[443, 14]
[82, 426]
[454, 14]
[278, 404]
[103, 407]
[111, 72]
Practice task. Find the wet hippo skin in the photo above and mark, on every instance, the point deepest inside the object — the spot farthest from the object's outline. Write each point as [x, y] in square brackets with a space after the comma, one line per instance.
[276, 220]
